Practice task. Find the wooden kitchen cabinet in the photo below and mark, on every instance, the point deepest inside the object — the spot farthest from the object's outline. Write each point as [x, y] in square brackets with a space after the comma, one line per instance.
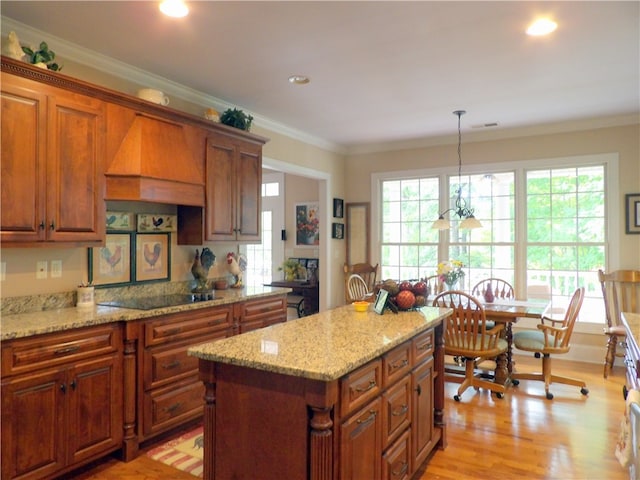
[259, 313]
[233, 172]
[52, 181]
[61, 401]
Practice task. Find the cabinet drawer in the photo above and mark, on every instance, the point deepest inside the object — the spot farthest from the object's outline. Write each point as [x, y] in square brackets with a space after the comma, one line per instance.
[53, 349]
[360, 386]
[185, 325]
[396, 410]
[265, 310]
[396, 462]
[170, 363]
[396, 363]
[422, 346]
[171, 406]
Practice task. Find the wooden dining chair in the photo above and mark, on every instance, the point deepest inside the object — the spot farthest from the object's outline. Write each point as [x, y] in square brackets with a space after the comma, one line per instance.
[621, 293]
[466, 336]
[434, 284]
[365, 271]
[500, 288]
[551, 338]
[357, 289]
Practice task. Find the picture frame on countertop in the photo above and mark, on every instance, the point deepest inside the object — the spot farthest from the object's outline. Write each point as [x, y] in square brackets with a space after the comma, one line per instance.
[338, 208]
[381, 301]
[632, 210]
[111, 265]
[153, 257]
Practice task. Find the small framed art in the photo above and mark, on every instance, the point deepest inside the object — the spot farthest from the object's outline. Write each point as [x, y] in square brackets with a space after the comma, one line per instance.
[632, 212]
[338, 208]
[337, 230]
[381, 301]
[111, 264]
[153, 254]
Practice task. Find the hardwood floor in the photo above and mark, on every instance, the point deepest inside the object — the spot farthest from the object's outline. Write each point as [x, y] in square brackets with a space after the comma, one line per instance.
[522, 435]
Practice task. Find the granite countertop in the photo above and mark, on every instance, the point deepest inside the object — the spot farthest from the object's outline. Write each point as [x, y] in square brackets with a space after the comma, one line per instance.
[324, 346]
[36, 323]
[633, 321]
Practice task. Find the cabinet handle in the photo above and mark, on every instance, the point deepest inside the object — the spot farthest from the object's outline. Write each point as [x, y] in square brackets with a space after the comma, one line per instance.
[424, 346]
[169, 366]
[400, 412]
[418, 389]
[173, 407]
[63, 388]
[372, 384]
[41, 225]
[370, 418]
[52, 225]
[73, 384]
[404, 363]
[63, 351]
[402, 471]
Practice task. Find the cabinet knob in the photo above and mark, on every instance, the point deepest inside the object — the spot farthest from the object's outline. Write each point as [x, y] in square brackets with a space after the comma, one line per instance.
[63, 388]
[52, 225]
[41, 225]
[73, 384]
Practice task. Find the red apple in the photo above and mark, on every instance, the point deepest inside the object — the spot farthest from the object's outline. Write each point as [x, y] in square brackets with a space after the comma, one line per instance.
[405, 299]
[420, 288]
[405, 285]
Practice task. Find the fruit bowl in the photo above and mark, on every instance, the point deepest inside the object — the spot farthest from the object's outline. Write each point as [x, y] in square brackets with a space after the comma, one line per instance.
[361, 306]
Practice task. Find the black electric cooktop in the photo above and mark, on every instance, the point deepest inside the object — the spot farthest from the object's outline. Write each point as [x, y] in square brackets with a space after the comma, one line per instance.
[160, 301]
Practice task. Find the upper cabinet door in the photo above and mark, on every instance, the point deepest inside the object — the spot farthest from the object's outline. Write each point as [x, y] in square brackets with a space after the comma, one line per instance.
[23, 176]
[249, 192]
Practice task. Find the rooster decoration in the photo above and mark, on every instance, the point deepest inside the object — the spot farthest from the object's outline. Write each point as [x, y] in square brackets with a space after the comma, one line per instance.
[112, 257]
[151, 256]
[237, 264]
[200, 268]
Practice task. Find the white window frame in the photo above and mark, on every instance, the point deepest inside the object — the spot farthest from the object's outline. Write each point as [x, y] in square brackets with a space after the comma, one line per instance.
[612, 207]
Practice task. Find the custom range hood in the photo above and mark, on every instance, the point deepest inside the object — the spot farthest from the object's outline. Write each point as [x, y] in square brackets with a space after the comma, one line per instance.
[154, 161]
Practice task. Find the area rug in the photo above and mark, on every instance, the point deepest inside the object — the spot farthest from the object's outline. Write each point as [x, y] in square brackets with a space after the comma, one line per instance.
[183, 452]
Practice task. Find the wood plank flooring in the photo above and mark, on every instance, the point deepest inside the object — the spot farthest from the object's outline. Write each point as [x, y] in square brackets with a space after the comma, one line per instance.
[523, 435]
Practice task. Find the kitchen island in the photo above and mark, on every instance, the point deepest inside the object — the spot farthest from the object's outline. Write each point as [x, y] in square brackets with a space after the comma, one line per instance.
[336, 395]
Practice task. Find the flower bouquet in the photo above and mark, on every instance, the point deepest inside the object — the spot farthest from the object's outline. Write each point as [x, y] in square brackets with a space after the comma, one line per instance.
[450, 272]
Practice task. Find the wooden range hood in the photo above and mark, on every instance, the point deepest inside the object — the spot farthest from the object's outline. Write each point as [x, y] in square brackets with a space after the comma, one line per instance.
[154, 163]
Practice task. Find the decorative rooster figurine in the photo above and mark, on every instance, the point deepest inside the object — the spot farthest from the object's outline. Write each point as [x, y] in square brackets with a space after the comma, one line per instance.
[200, 268]
[237, 264]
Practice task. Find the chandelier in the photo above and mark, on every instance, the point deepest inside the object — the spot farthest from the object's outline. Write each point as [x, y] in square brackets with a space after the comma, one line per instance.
[460, 209]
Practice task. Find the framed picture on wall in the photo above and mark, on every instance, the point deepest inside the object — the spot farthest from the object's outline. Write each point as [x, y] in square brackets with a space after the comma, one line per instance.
[633, 212]
[338, 208]
[153, 254]
[337, 231]
[111, 264]
[307, 224]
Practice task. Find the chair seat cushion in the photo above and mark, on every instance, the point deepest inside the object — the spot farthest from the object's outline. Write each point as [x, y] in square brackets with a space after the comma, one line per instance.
[533, 341]
[466, 350]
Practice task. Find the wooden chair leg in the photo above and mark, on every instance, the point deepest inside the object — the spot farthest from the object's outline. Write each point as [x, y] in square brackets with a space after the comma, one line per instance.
[611, 354]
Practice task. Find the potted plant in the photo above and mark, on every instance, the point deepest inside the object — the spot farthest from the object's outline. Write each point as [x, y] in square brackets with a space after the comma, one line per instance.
[43, 57]
[236, 118]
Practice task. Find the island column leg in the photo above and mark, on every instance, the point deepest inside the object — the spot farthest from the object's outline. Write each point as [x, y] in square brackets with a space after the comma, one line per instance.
[208, 377]
[438, 387]
[321, 398]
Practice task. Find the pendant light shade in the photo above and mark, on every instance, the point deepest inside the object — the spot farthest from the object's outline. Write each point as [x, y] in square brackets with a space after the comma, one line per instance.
[460, 209]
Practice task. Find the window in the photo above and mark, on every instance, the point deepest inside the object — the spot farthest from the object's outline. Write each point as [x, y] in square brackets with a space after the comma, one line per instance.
[542, 226]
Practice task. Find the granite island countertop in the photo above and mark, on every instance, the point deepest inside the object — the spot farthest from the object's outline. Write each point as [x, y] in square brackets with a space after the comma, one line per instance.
[57, 320]
[324, 346]
[633, 321]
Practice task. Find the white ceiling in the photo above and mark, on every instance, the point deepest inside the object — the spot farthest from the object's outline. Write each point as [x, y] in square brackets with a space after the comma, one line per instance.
[380, 71]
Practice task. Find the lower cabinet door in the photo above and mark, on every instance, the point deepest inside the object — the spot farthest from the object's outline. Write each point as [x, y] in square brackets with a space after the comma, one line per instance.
[361, 444]
[33, 425]
[422, 421]
[396, 462]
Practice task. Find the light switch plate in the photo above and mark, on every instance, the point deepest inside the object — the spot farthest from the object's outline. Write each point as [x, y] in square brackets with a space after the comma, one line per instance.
[41, 269]
[56, 268]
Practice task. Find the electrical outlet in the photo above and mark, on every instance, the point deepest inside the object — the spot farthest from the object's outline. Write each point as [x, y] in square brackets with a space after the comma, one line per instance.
[3, 271]
[41, 269]
[56, 268]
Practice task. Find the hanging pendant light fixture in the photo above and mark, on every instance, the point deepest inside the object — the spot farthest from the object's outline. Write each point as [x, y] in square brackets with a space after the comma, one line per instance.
[460, 207]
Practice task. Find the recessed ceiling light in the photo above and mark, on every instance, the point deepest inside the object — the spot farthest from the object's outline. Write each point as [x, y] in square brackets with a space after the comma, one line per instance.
[542, 26]
[299, 79]
[174, 8]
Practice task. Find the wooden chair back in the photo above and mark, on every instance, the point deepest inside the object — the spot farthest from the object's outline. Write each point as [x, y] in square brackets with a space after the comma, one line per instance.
[621, 293]
[356, 288]
[434, 284]
[501, 288]
[466, 331]
[367, 272]
[557, 333]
